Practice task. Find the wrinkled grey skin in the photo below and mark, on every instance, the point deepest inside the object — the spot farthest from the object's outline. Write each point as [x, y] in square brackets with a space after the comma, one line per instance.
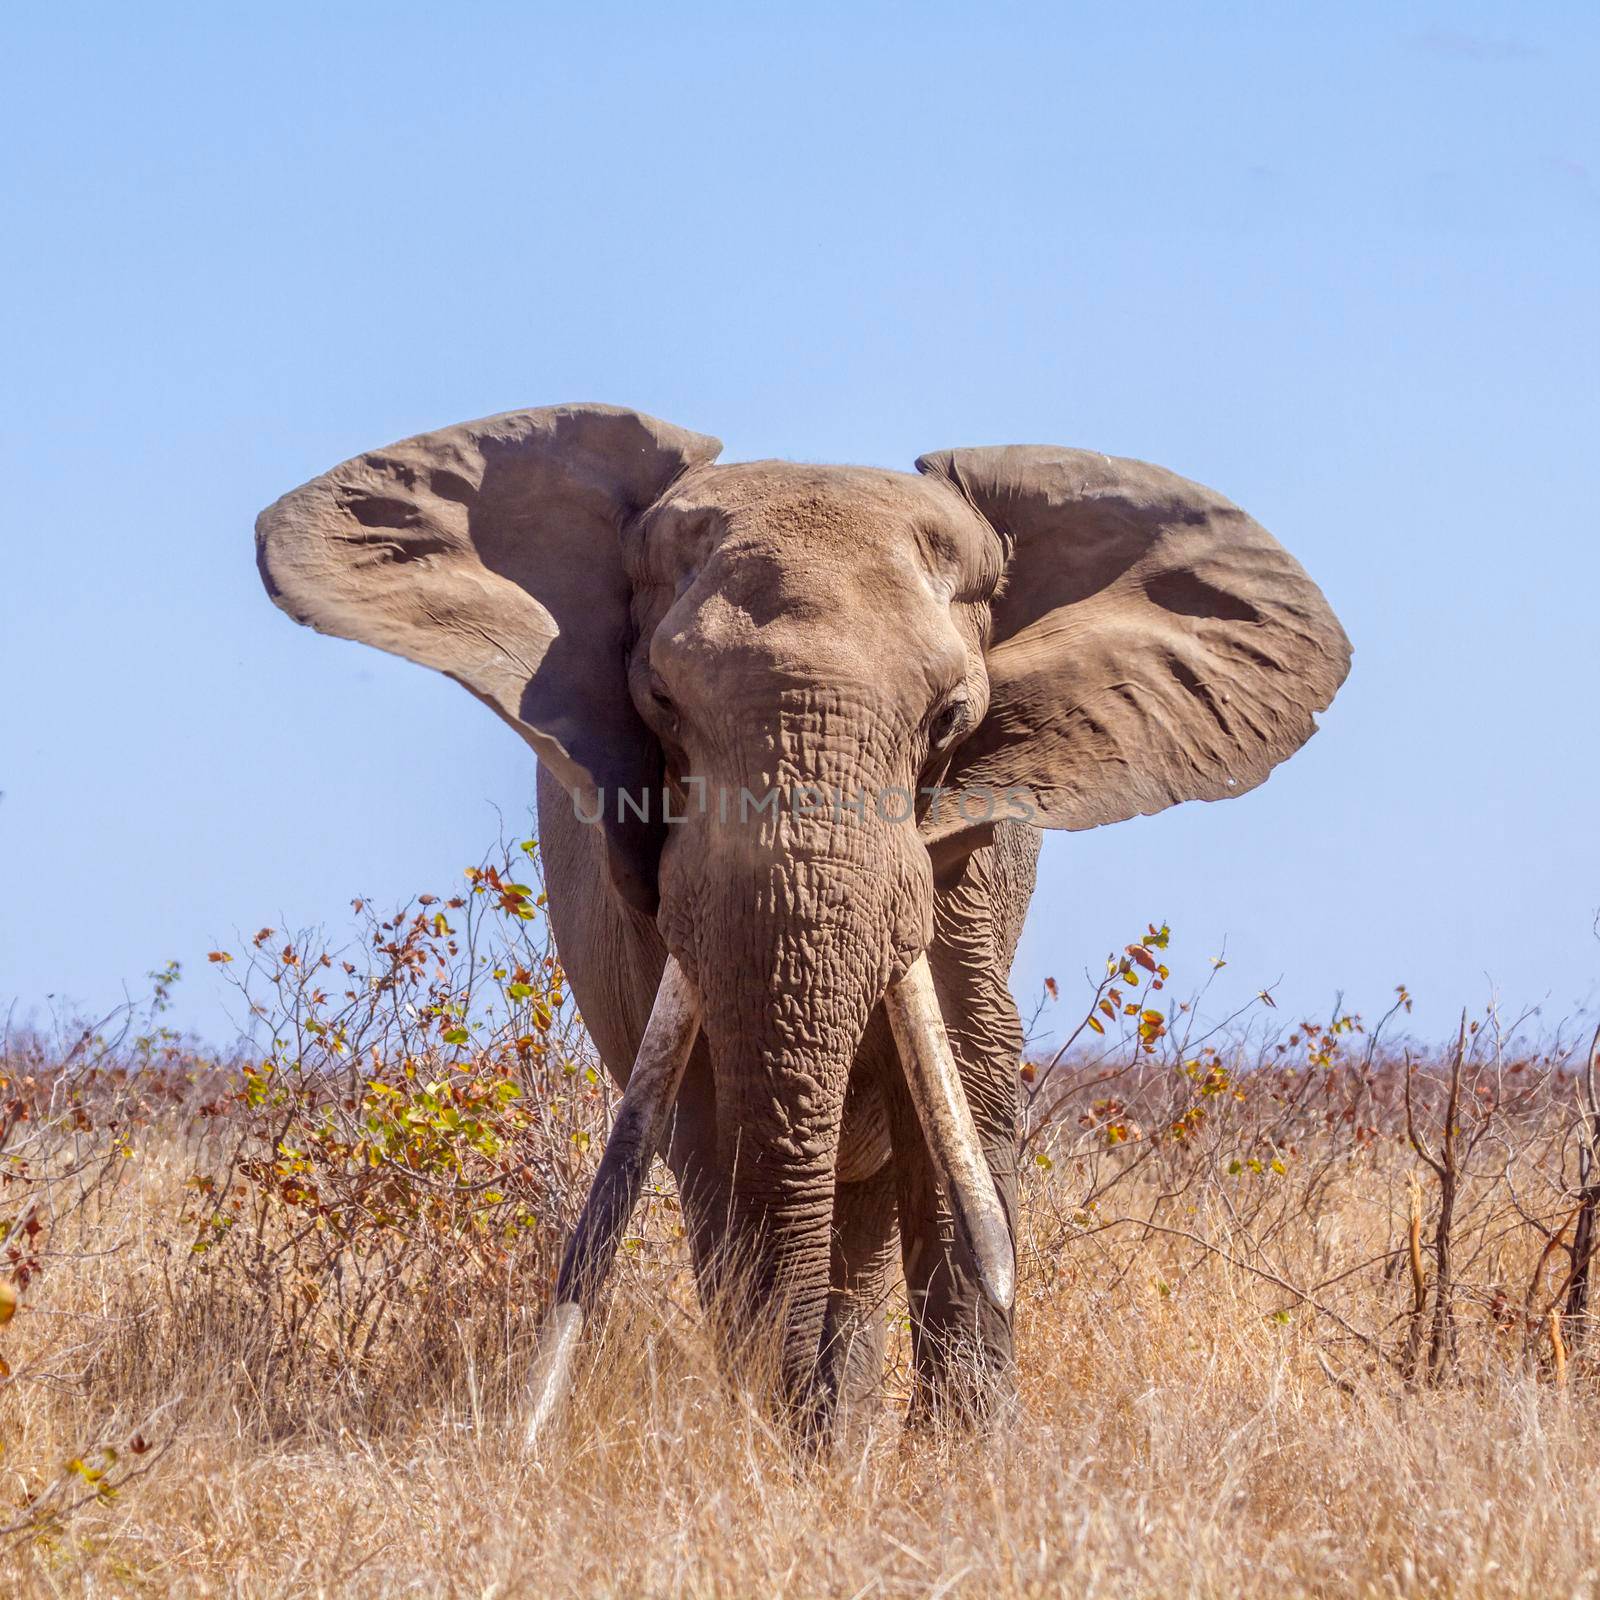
[1099, 635]
[823, 1153]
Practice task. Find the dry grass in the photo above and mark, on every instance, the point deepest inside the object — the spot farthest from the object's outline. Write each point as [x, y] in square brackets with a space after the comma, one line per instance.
[1238, 1373]
[1173, 1437]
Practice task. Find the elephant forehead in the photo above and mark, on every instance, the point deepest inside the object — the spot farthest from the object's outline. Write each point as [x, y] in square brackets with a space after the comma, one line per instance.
[813, 573]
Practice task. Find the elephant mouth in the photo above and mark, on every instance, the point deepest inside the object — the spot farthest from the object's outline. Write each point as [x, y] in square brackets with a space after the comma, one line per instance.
[936, 1091]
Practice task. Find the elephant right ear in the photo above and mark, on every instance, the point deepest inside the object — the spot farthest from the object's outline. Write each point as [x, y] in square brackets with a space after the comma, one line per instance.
[491, 551]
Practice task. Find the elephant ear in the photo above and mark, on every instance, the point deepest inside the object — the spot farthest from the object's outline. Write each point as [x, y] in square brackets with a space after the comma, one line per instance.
[491, 551]
[1151, 643]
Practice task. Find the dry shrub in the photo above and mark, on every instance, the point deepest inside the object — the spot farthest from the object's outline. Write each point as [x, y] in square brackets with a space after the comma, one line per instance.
[273, 1313]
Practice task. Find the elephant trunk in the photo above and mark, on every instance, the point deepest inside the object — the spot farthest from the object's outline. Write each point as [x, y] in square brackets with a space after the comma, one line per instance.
[792, 922]
[787, 994]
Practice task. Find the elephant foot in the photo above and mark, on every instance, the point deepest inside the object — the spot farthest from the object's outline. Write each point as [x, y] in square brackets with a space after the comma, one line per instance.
[968, 1394]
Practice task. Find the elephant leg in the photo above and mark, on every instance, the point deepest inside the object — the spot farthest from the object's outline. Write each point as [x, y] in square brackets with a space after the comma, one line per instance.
[961, 1344]
[850, 1359]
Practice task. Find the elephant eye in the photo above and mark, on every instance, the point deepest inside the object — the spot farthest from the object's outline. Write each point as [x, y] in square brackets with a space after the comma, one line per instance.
[948, 721]
[662, 701]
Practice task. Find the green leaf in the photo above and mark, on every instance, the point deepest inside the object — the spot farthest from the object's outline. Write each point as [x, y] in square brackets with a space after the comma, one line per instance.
[456, 1036]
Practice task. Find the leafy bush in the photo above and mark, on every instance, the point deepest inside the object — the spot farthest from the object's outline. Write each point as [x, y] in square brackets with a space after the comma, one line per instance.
[414, 1146]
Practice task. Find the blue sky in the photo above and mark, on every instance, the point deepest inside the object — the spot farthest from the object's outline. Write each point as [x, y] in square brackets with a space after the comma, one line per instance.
[1338, 262]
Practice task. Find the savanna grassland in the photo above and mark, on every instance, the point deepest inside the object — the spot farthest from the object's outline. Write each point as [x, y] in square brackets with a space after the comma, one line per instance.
[1302, 1311]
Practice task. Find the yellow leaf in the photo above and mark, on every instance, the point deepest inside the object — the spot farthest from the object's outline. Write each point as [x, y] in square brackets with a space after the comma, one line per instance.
[8, 1302]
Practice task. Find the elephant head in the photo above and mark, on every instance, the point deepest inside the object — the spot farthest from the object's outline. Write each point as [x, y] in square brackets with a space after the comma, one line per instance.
[828, 678]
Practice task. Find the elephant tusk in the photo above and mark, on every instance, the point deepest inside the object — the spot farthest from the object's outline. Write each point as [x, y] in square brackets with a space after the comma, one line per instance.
[635, 1137]
[947, 1124]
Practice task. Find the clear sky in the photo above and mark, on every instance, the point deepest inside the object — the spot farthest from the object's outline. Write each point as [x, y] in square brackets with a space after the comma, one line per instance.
[1339, 262]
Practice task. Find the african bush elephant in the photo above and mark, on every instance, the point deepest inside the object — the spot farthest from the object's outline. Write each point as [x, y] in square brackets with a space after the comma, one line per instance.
[798, 729]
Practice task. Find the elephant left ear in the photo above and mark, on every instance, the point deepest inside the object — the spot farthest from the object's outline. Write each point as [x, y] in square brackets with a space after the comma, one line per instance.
[1151, 643]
